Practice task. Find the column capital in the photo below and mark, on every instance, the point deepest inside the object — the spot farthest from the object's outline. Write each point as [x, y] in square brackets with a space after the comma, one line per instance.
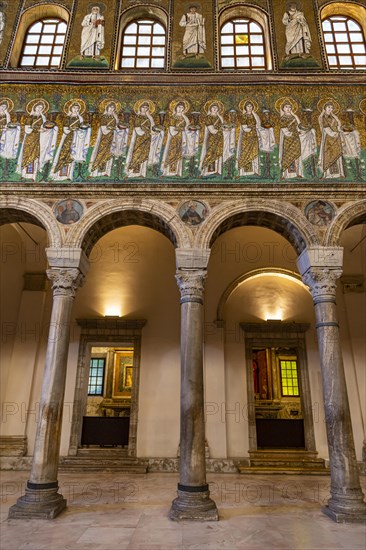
[191, 285]
[65, 282]
[322, 283]
[330, 257]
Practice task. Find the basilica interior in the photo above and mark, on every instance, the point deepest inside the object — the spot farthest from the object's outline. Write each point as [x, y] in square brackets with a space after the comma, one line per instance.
[183, 262]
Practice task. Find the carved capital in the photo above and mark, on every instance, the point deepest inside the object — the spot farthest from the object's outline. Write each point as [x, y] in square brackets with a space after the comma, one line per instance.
[65, 282]
[322, 283]
[191, 285]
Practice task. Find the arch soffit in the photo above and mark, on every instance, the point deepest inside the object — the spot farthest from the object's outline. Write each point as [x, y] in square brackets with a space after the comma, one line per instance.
[350, 9]
[347, 216]
[295, 227]
[40, 212]
[246, 277]
[171, 227]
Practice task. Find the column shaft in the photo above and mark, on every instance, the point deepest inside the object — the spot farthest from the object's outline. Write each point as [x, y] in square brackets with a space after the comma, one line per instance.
[193, 502]
[41, 499]
[346, 503]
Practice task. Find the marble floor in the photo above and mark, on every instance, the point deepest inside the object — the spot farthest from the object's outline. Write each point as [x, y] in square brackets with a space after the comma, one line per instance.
[110, 511]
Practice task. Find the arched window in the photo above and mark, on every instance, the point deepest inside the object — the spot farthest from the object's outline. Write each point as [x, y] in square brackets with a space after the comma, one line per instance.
[143, 45]
[344, 43]
[242, 45]
[44, 43]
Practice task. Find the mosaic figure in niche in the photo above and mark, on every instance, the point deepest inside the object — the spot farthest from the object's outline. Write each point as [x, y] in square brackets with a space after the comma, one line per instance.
[194, 39]
[336, 142]
[111, 140]
[298, 38]
[39, 141]
[75, 141]
[248, 142]
[182, 141]
[9, 134]
[92, 34]
[146, 141]
[297, 143]
[218, 140]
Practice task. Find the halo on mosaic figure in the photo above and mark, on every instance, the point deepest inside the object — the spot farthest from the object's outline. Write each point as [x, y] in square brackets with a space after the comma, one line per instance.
[362, 106]
[282, 101]
[140, 102]
[100, 5]
[247, 100]
[71, 102]
[212, 102]
[9, 103]
[323, 102]
[31, 104]
[173, 104]
[105, 102]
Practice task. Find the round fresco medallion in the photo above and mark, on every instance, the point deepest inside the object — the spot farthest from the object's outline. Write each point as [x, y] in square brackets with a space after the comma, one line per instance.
[319, 213]
[68, 211]
[193, 212]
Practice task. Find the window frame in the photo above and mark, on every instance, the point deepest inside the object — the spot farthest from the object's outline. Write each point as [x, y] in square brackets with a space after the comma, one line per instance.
[292, 359]
[343, 18]
[252, 68]
[151, 20]
[103, 376]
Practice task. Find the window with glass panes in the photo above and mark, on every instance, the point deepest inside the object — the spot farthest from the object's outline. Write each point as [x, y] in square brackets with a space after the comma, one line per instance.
[344, 43]
[96, 376]
[44, 44]
[143, 45]
[289, 378]
[242, 45]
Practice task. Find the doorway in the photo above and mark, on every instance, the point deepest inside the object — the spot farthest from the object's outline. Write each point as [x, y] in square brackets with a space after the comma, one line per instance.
[278, 414]
[109, 397]
[105, 412]
[280, 408]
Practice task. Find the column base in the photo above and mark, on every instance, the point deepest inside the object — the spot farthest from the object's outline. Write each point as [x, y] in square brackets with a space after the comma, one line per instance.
[341, 517]
[194, 504]
[41, 501]
[346, 508]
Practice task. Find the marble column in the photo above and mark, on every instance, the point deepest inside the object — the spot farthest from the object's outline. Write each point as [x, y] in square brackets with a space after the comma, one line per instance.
[193, 501]
[320, 270]
[41, 498]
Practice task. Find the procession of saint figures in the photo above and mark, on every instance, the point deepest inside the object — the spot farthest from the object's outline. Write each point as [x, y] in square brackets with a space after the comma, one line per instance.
[117, 144]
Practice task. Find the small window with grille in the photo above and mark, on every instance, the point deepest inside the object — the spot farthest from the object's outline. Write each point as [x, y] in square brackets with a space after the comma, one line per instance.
[289, 377]
[345, 43]
[96, 376]
[143, 45]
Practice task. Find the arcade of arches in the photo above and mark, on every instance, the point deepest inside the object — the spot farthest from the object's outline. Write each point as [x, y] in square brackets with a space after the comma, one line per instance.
[189, 320]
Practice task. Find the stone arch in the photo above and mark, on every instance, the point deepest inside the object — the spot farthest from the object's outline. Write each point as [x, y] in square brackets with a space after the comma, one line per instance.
[283, 218]
[105, 217]
[348, 215]
[15, 209]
